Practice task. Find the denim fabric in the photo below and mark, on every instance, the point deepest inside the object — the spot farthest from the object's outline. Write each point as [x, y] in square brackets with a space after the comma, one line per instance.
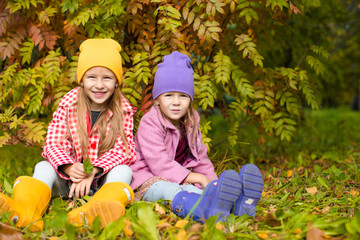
[45, 172]
[167, 191]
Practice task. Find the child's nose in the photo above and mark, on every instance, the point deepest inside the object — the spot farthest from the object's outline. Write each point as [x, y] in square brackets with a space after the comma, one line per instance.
[176, 100]
[99, 83]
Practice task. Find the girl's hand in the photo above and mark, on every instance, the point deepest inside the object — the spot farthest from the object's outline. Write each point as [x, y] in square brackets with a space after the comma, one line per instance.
[75, 171]
[197, 178]
[81, 188]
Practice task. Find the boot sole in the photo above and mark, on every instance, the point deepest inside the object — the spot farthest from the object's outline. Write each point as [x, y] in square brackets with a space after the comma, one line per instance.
[108, 211]
[4, 205]
[228, 191]
[252, 187]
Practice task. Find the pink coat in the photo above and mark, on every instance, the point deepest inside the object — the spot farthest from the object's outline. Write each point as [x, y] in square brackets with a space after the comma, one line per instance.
[156, 141]
[63, 144]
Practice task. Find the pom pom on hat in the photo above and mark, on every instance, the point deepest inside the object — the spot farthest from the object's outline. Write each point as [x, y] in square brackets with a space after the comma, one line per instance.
[174, 74]
[100, 53]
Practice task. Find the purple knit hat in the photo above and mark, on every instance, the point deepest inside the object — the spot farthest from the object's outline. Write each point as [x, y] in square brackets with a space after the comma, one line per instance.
[174, 74]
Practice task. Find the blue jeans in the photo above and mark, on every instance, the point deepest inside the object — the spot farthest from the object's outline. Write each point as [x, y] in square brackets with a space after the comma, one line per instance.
[167, 191]
[46, 173]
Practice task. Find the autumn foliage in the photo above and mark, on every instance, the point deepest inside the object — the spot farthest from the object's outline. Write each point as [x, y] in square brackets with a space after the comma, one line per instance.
[230, 42]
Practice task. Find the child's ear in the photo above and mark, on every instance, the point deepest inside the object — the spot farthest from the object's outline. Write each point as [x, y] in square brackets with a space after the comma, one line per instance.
[156, 102]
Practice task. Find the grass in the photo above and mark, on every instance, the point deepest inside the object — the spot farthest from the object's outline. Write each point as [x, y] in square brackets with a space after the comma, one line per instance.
[311, 187]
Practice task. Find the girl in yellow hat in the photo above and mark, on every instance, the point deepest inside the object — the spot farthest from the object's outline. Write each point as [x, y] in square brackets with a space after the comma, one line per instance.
[93, 123]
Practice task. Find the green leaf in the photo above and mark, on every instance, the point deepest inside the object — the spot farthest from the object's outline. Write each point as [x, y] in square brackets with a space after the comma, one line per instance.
[322, 182]
[88, 167]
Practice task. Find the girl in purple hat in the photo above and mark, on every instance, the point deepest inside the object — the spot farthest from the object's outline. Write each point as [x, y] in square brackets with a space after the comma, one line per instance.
[171, 159]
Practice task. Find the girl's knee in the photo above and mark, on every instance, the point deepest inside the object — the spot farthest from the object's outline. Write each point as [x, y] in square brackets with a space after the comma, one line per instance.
[121, 173]
[43, 166]
[122, 169]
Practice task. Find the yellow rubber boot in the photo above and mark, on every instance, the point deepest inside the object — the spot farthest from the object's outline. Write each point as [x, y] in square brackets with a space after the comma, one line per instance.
[31, 199]
[108, 203]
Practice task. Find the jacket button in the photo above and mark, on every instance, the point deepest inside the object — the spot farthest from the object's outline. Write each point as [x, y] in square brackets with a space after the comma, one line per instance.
[93, 145]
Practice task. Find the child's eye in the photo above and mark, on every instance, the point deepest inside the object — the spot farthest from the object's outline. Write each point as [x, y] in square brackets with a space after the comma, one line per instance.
[184, 96]
[168, 95]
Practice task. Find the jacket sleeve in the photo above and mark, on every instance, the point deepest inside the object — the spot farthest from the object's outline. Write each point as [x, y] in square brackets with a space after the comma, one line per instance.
[150, 138]
[117, 155]
[58, 147]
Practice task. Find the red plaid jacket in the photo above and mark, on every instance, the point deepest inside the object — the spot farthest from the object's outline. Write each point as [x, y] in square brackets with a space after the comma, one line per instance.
[63, 144]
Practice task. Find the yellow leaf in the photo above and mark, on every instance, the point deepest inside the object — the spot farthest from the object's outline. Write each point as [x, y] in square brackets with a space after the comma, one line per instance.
[220, 226]
[127, 228]
[354, 193]
[349, 161]
[297, 231]
[312, 190]
[263, 235]
[181, 223]
[181, 235]
[201, 30]
[159, 209]
[289, 173]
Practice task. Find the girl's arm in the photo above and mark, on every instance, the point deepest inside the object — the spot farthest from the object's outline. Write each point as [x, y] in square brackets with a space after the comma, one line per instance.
[58, 147]
[117, 155]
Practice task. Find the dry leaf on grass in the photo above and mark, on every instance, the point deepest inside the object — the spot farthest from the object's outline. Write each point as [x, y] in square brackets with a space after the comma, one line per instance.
[9, 233]
[181, 235]
[127, 228]
[312, 190]
[263, 235]
[159, 209]
[314, 233]
[181, 223]
[271, 220]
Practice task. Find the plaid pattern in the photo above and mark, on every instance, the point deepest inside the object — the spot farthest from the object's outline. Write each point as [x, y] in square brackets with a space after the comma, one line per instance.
[63, 144]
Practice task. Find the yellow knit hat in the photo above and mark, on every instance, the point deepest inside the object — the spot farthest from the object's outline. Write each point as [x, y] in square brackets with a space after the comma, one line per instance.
[100, 53]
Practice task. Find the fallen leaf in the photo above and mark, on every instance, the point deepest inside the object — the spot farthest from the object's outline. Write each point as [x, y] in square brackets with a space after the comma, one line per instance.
[195, 228]
[349, 161]
[289, 173]
[297, 231]
[272, 221]
[181, 235]
[312, 190]
[127, 228]
[325, 210]
[181, 223]
[314, 233]
[220, 226]
[263, 235]
[159, 209]
[9, 233]
[163, 225]
[274, 235]
[354, 193]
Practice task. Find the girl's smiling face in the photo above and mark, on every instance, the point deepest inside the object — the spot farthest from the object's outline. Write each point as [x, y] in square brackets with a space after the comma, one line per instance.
[99, 84]
[174, 105]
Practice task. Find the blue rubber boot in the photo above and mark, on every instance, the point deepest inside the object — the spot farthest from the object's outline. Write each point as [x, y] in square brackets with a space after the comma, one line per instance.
[252, 187]
[217, 199]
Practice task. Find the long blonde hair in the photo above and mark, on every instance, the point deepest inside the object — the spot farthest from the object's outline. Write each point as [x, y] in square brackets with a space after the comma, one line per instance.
[107, 139]
[190, 119]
